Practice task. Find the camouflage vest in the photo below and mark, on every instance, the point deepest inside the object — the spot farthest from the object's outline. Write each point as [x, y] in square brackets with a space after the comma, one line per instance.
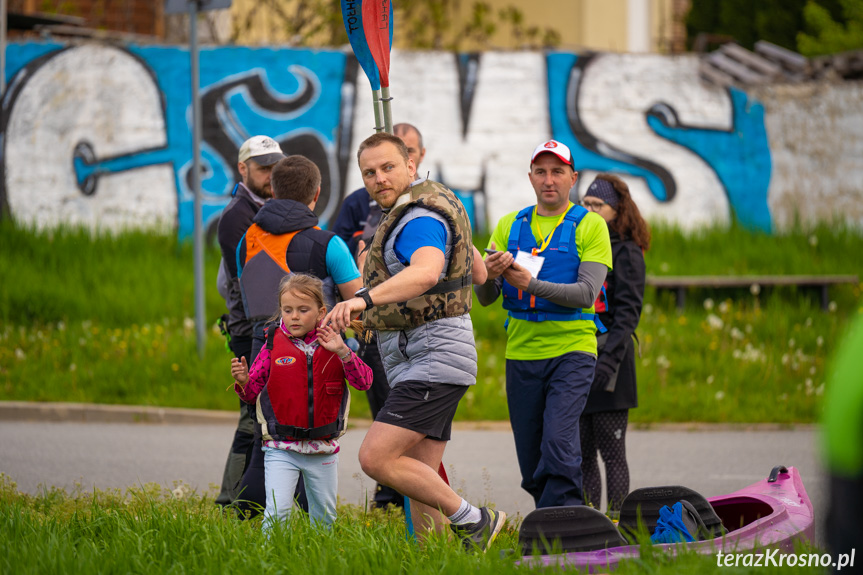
[451, 297]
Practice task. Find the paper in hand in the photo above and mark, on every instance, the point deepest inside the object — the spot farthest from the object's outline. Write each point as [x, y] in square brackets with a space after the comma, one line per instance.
[530, 262]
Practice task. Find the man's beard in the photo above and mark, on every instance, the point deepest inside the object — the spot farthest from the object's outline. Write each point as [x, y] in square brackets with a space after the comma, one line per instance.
[394, 198]
[260, 192]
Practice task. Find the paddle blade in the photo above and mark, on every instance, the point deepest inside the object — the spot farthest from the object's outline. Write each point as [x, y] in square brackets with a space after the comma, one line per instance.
[377, 25]
[352, 15]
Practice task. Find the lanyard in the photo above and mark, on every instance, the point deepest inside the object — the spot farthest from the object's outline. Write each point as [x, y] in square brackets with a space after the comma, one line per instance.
[547, 240]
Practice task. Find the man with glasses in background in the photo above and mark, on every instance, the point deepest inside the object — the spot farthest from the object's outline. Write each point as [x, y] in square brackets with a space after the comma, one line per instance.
[549, 260]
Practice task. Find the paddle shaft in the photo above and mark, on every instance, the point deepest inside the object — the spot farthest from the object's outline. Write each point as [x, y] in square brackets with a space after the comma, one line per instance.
[376, 104]
[386, 101]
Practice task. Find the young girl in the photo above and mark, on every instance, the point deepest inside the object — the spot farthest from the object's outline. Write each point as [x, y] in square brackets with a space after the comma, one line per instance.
[298, 380]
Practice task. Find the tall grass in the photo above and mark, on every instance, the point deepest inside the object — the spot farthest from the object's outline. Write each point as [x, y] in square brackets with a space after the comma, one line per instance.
[107, 320]
[822, 249]
[150, 529]
[113, 279]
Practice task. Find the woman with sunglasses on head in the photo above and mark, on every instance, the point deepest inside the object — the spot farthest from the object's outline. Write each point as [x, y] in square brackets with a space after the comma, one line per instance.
[613, 393]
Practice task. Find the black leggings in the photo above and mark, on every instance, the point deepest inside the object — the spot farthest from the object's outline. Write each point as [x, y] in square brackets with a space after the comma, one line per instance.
[605, 431]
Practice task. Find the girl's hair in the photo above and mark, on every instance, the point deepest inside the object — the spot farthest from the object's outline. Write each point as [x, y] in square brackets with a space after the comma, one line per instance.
[304, 285]
[628, 221]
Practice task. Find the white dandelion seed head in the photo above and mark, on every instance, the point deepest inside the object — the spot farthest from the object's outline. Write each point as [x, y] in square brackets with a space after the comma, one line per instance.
[715, 322]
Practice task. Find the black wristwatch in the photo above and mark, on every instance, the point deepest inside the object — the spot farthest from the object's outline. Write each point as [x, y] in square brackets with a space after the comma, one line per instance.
[363, 292]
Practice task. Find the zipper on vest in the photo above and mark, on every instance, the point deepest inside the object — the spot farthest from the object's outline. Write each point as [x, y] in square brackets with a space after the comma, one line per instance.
[310, 370]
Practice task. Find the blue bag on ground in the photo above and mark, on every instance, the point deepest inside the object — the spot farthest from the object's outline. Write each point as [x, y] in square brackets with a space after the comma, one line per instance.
[677, 524]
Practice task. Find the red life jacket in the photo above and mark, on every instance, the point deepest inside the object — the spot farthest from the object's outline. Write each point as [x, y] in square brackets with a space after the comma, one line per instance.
[305, 397]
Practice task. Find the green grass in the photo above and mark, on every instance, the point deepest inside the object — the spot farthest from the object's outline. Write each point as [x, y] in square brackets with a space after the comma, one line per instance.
[823, 249]
[112, 280]
[151, 529]
[107, 320]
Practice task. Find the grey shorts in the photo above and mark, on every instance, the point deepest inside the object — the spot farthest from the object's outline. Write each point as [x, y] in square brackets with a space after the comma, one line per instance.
[423, 407]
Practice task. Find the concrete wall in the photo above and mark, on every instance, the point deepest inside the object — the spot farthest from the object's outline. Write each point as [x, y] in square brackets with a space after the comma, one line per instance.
[100, 135]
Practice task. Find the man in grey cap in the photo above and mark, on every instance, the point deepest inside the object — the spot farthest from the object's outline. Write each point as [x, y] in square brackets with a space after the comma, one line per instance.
[255, 161]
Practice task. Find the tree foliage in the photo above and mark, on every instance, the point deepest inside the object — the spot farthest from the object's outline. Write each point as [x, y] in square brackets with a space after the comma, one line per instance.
[747, 21]
[829, 36]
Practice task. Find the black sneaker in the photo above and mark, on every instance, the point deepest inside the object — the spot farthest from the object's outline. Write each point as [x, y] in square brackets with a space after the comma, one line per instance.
[481, 535]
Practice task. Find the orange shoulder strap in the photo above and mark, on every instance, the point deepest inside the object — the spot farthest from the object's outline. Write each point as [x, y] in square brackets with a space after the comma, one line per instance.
[275, 246]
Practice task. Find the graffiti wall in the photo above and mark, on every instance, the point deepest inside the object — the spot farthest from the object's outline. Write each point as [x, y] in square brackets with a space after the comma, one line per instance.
[101, 135]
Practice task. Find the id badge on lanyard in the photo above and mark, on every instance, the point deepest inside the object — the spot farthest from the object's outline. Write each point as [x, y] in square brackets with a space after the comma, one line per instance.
[532, 262]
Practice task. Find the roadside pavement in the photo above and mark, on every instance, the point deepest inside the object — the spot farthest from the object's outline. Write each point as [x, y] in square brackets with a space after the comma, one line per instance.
[69, 445]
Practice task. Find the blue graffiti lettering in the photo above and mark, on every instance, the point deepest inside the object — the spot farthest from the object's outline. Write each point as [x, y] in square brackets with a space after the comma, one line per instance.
[565, 72]
[739, 156]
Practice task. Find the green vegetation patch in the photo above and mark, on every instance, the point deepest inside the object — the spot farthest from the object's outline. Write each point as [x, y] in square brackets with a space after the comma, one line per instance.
[107, 319]
[151, 529]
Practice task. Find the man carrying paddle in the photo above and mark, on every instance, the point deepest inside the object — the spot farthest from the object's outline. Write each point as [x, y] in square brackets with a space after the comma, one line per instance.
[416, 295]
[356, 224]
[553, 260]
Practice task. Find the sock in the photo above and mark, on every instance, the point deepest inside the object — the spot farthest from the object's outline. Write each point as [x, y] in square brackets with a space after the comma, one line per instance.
[466, 513]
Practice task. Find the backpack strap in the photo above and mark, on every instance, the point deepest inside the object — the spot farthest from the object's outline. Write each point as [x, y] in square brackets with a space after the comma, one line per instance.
[270, 334]
[451, 285]
[574, 315]
[574, 216]
[241, 246]
[314, 433]
[515, 231]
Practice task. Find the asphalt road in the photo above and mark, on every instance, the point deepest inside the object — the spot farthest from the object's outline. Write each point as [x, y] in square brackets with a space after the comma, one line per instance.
[481, 463]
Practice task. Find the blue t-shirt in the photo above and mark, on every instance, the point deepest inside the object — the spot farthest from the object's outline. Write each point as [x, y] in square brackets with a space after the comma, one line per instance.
[340, 262]
[419, 233]
[352, 215]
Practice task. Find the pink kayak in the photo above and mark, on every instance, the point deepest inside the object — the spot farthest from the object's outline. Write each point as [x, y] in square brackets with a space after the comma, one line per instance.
[773, 513]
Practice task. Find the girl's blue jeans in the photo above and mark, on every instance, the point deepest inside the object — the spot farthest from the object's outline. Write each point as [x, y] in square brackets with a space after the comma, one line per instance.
[282, 471]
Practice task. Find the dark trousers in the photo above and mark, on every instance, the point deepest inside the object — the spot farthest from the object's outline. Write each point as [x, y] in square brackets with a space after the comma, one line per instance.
[252, 495]
[377, 395]
[605, 432]
[546, 398]
[241, 448]
[845, 510]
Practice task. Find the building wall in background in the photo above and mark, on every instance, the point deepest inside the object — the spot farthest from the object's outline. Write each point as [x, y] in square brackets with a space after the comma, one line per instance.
[101, 136]
[131, 16]
[600, 25]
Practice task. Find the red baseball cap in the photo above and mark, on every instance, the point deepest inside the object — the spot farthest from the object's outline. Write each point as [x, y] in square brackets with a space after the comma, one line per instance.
[556, 148]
